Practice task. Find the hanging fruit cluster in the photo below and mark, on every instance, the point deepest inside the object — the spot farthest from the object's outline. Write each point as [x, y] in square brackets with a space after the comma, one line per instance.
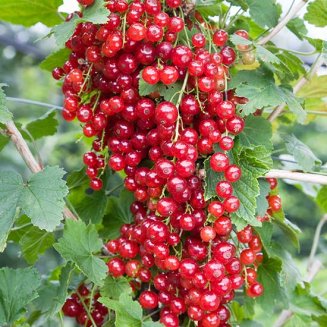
[179, 252]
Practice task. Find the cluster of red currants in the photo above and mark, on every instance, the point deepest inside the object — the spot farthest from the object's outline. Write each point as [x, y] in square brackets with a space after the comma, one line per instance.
[179, 247]
[80, 302]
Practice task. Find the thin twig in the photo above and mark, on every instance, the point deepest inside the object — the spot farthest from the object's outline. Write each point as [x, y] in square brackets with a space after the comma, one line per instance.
[316, 241]
[296, 176]
[283, 22]
[25, 152]
[297, 87]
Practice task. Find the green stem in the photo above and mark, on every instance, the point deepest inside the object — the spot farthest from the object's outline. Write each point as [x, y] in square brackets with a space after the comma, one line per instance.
[108, 193]
[36, 103]
[178, 104]
[86, 309]
[21, 227]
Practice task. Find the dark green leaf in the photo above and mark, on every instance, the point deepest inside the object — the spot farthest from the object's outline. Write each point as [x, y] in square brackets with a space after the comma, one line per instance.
[322, 198]
[78, 245]
[18, 287]
[55, 59]
[264, 12]
[297, 27]
[42, 198]
[4, 140]
[5, 114]
[247, 189]
[301, 153]
[118, 213]
[317, 13]
[28, 13]
[32, 240]
[268, 275]
[262, 203]
[91, 208]
[11, 188]
[52, 296]
[265, 232]
[257, 131]
[289, 229]
[114, 287]
[44, 126]
[211, 180]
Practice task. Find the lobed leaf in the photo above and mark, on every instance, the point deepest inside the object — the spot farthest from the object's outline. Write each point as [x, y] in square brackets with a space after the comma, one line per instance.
[30, 12]
[18, 287]
[78, 245]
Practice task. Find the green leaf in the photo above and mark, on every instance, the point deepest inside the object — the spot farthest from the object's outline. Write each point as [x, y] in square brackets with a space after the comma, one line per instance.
[5, 114]
[98, 13]
[305, 303]
[293, 104]
[11, 188]
[55, 59]
[128, 312]
[240, 3]
[301, 153]
[4, 140]
[260, 88]
[32, 240]
[291, 230]
[42, 198]
[257, 131]
[262, 203]
[211, 180]
[18, 287]
[264, 12]
[290, 68]
[266, 56]
[297, 27]
[78, 244]
[65, 30]
[208, 7]
[265, 232]
[30, 12]
[114, 287]
[247, 189]
[268, 275]
[118, 213]
[239, 40]
[91, 208]
[44, 126]
[322, 198]
[317, 13]
[53, 296]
